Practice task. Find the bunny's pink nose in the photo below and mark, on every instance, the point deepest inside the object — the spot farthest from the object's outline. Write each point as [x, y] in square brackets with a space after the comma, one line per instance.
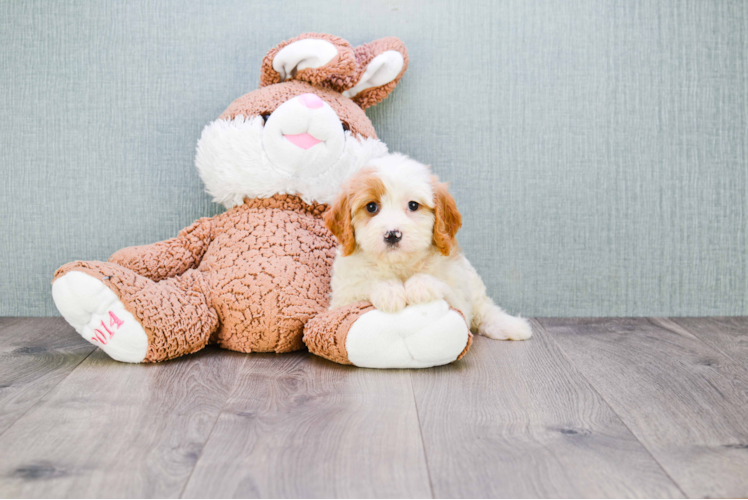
[311, 101]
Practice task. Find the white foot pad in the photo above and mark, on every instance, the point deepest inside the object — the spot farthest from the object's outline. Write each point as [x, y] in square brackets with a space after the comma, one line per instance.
[419, 336]
[99, 316]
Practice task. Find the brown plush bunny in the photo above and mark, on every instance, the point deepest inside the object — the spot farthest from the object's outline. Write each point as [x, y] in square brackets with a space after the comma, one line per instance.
[253, 278]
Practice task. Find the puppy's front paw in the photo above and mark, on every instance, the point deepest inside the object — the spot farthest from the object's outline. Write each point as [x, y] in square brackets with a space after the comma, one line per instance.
[388, 296]
[423, 288]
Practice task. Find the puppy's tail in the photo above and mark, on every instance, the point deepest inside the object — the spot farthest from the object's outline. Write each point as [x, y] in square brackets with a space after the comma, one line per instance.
[488, 319]
[491, 321]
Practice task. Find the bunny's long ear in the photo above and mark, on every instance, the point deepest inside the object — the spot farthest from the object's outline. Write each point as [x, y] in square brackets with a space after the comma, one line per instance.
[317, 58]
[381, 65]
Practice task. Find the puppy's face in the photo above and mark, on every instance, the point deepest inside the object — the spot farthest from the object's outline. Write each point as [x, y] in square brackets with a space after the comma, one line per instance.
[394, 210]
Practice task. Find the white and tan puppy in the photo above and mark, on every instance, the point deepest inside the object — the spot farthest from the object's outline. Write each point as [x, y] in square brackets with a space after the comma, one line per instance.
[396, 226]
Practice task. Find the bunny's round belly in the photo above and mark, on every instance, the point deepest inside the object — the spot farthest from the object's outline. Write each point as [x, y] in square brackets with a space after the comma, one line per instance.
[269, 275]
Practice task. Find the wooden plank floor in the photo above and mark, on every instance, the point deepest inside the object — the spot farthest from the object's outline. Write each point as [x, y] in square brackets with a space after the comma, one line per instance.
[587, 408]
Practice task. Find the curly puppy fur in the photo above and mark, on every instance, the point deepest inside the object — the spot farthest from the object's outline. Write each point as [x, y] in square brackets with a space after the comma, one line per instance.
[396, 224]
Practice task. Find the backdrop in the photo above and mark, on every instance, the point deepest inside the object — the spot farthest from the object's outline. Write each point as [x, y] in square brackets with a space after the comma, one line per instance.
[597, 149]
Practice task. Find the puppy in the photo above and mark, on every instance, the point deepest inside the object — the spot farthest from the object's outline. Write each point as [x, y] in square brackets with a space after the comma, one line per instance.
[396, 226]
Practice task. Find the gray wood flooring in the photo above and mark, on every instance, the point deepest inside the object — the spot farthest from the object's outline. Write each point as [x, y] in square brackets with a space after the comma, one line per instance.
[645, 407]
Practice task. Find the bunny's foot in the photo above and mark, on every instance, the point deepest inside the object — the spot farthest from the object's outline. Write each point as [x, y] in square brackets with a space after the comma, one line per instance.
[419, 336]
[133, 318]
[99, 316]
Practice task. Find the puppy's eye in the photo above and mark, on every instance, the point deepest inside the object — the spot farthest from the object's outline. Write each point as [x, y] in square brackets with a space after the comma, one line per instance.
[265, 117]
[372, 208]
[346, 128]
[413, 206]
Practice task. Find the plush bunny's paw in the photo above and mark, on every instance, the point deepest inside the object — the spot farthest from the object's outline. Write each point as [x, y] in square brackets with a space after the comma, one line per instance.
[501, 326]
[423, 288]
[99, 316]
[388, 296]
[419, 336]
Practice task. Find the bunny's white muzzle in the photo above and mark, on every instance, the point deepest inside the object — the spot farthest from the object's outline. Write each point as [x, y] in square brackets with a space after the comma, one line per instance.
[303, 135]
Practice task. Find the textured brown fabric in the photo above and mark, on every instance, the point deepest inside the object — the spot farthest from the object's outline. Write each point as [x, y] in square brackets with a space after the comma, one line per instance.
[265, 100]
[269, 266]
[325, 335]
[264, 272]
[364, 55]
[173, 312]
[335, 75]
[169, 258]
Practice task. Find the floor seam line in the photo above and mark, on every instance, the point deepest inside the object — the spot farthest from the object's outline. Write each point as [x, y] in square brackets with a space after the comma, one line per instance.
[212, 428]
[649, 452]
[695, 335]
[420, 432]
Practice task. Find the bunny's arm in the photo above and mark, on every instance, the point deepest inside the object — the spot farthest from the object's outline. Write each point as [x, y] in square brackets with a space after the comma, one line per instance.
[169, 258]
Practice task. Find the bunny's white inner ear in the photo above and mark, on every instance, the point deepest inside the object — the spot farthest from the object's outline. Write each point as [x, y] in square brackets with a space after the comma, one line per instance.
[307, 53]
[381, 70]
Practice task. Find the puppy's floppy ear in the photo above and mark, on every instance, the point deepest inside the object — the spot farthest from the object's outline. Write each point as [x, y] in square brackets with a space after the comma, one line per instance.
[447, 219]
[338, 221]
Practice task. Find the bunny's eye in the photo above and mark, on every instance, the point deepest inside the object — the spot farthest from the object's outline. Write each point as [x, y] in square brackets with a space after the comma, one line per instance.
[372, 208]
[265, 117]
[413, 206]
[346, 128]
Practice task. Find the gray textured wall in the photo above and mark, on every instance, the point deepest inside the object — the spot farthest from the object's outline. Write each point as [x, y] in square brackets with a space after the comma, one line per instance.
[597, 149]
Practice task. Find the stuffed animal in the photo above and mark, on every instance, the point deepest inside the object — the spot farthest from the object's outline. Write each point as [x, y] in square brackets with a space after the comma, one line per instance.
[256, 278]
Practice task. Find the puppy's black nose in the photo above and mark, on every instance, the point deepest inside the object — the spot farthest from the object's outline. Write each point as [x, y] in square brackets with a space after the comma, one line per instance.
[392, 237]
